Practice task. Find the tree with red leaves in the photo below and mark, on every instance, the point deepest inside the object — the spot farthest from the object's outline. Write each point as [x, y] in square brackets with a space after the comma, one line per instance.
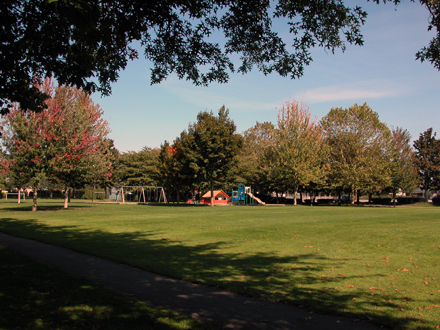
[64, 143]
[76, 136]
[25, 150]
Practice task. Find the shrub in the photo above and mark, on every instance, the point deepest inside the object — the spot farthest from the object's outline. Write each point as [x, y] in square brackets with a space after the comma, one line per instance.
[408, 200]
[381, 201]
[436, 200]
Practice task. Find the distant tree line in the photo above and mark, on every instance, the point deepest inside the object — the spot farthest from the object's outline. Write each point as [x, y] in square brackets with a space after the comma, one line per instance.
[349, 151]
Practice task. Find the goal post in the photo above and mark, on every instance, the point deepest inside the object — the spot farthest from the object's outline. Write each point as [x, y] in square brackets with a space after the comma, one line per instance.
[141, 194]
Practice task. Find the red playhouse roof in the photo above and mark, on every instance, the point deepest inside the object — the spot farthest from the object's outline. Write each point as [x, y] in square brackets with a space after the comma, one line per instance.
[220, 197]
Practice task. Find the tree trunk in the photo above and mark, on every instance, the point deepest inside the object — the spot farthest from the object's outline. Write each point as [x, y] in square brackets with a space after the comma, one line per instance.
[353, 189]
[295, 190]
[212, 193]
[18, 200]
[66, 197]
[178, 197]
[34, 199]
[394, 197]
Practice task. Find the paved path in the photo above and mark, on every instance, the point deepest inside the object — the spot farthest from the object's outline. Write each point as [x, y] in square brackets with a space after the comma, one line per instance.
[221, 309]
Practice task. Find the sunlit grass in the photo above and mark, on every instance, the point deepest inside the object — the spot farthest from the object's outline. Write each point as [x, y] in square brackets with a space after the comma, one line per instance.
[376, 263]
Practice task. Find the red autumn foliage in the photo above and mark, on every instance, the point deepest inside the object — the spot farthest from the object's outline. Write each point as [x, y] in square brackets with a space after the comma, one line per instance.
[63, 143]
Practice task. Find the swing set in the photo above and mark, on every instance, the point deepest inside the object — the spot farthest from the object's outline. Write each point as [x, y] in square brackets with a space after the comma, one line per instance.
[141, 194]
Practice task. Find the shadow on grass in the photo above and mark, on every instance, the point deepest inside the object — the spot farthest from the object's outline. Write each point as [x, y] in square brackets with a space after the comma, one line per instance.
[27, 207]
[264, 275]
[175, 205]
[42, 206]
[35, 296]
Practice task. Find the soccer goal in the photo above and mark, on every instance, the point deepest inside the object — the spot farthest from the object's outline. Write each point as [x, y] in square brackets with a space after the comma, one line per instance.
[141, 194]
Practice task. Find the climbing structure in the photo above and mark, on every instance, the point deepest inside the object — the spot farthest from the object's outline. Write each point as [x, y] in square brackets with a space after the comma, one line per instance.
[244, 196]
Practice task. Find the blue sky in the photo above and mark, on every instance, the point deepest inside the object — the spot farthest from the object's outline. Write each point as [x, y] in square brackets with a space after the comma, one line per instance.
[383, 73]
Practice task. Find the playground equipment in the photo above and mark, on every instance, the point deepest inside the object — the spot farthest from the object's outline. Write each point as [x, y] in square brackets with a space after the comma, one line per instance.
[16, 193]
[97, 193]
[220, 197]
[245, 196]
[141, 194]
[256, 199]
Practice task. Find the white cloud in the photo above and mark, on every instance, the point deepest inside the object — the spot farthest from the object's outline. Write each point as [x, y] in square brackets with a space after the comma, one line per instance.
[215, 97]
[360, 90]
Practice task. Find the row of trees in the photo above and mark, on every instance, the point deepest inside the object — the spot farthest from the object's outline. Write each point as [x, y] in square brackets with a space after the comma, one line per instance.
[349, 150]
[65, 145]
[199, 158]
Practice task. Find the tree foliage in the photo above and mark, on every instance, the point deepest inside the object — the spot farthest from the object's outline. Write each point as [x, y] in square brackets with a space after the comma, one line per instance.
[176, 168]
[4, 168]
[250, 167]
[205, 153]
[76, 138]
[167, 169]
[360, 149]
[111, 154]
[297, 152]
[427, 149]
[403, 170]
[25, 149]
[65, 143]
[136, 168]
[87, 42]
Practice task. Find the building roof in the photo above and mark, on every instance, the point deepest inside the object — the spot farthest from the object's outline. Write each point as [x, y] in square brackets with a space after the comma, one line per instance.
[216, 193]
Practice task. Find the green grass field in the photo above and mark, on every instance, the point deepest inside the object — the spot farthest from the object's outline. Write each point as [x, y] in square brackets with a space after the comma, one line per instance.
[381, 264]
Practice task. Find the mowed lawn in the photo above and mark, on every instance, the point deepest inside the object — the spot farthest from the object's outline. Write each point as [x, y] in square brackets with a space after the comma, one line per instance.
[376, 263]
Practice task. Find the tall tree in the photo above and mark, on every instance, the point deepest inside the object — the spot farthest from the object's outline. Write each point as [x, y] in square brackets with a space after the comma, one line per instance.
[4, 168]
[298, 148]
[404, 174]
[360, 149]
[76, 138]
[187, 161]
[427, 149]
[112, 154]
[173, 168]
[87, 42]
[250, 168]
[27, 154]
[166, 169]
[63, 143]
[213, 146]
